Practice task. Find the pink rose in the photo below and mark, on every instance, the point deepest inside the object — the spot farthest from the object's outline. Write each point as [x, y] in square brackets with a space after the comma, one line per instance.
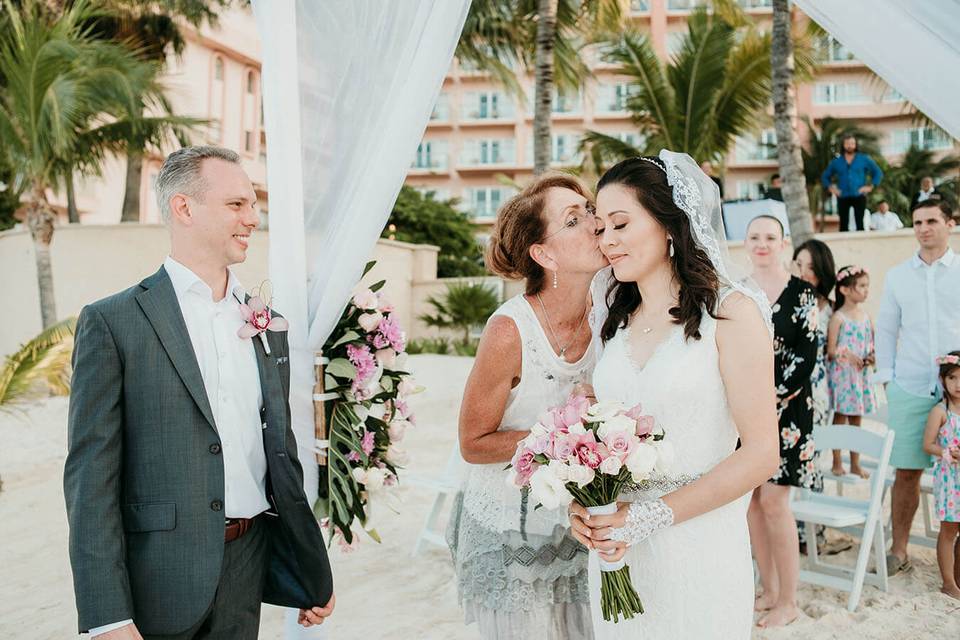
[645, 425]
[572, 412]
[563, 445]
[635, 411]
[619, 444]
[369, 321]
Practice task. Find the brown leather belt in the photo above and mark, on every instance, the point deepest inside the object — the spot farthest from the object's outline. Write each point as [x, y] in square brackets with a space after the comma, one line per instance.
[236, 527]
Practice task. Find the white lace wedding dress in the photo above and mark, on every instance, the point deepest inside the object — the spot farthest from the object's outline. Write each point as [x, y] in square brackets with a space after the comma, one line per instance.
[695, 579]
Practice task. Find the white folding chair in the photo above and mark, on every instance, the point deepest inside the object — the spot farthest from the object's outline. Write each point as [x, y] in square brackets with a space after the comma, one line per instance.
[444, 485]
[854, 516]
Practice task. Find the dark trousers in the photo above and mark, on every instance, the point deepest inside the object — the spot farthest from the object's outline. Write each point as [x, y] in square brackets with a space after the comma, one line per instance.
[859, 204]
[234, 613]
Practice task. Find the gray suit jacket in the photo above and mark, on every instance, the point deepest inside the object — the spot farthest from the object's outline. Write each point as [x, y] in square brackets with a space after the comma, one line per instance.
[144, 480]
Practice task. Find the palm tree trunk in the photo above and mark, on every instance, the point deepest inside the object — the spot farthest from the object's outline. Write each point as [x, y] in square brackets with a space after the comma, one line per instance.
[131, 192]
[40, 221]
[543, 89]
[72, 214]
[785, 121]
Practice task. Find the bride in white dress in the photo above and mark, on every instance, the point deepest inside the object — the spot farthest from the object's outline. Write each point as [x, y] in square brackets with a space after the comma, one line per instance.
[695, 348]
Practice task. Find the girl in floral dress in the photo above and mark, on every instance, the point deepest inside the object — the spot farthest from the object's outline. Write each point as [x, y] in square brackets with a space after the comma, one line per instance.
[852, 356]
[942, 440]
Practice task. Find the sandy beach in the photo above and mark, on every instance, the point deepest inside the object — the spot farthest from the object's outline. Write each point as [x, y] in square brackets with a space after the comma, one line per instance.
[381, 591]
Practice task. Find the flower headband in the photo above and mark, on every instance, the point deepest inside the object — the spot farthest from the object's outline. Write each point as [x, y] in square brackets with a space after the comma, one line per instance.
[851, 271]
[948, 359]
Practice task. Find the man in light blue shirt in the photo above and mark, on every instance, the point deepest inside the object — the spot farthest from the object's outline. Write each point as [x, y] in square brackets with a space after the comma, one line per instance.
[850, 169]
[919, 320]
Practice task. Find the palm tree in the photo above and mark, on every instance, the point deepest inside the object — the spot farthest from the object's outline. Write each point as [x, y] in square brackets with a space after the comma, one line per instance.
[465, 306]
[902, 181]
[65, 92]
[710, 92]
[823, 145]
[789, 155]
[153, 30]
[42, 366]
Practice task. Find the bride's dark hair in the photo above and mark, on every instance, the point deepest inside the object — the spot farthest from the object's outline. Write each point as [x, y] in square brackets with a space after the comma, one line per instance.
[699, 284]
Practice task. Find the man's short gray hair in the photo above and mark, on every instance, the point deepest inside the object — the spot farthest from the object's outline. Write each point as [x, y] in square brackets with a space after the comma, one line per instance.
[180, 173]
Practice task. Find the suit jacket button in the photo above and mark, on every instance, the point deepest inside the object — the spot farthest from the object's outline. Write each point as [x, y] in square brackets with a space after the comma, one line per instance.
[216, 505]
[215, 448]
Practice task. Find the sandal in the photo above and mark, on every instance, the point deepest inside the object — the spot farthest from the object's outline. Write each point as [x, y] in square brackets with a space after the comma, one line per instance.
[895, 565]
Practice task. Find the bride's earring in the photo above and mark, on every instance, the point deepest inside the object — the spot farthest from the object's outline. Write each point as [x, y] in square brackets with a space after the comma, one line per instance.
[672, 250]
[554, 279]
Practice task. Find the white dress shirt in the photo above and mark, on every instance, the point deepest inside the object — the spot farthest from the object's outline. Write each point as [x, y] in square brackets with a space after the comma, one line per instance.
[921, 307]
[888, 221]
[231, 378]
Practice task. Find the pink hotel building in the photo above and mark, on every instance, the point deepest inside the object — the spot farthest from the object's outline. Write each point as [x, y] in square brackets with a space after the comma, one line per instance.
[477, 131]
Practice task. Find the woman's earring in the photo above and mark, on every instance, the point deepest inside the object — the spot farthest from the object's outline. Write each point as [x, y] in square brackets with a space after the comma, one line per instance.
[554, 279]
[672, 250]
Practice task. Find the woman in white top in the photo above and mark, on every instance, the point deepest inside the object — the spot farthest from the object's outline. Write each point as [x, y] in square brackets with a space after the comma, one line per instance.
[519, 572]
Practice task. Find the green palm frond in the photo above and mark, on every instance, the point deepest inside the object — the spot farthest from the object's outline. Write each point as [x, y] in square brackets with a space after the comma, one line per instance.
[652, 106]
[41, 366]
[600, 151]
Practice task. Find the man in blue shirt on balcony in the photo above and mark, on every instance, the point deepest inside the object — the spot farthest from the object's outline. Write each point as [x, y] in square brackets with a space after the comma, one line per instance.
[850, 169]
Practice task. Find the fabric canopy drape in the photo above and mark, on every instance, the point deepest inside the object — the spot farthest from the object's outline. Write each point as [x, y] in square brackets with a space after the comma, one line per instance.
[348, 89]
[913, 46]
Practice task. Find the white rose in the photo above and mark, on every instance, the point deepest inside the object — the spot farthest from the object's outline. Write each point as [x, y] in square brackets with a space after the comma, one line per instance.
[365, 299]
[397, 429]
[548, 490]
[369, 321]
[666, 456]
[402, 365]
[616, 423]
[538, 430]
[361, 411]
[407, 386]
[581, 474]
[359, 474]
[397, 456]
[577, 429]
[611, 466]
[603, 411]
[374, 479]
[387, 358]
[560, 469]
[642, 461]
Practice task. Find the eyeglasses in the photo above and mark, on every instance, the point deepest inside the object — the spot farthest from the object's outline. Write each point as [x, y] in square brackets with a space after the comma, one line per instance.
[576, 220]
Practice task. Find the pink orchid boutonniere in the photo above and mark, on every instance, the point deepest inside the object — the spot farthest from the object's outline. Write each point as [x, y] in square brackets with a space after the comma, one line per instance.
[259, 319]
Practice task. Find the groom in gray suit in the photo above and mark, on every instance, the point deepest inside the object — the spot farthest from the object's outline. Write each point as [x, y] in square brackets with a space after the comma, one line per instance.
[183, 489]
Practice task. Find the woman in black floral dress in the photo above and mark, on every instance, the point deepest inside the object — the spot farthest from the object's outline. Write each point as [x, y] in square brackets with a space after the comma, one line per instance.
[773, 531]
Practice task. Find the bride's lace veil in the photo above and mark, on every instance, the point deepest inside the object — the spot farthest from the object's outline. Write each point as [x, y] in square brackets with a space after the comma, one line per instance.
[698, 196]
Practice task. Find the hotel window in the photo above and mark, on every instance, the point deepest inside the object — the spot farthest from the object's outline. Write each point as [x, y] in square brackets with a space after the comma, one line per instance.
[495, 151]
[675, 40]
[441, 110]
[483, 202]
[831, 50]
[251, 117]
[748, 190]
[929, 138]
[839, 93]
[563, 149]
[431, 154]
[639, 6]
[217, 87]
[612, 98]
[758, 148]
[488, 105]
[755, 4]
[684, 5]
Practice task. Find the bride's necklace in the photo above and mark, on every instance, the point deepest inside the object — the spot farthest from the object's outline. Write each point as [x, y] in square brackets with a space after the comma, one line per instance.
[546, 316]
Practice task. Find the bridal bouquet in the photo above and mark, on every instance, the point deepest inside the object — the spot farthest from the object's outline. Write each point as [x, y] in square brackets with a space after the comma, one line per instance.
[367, 416]
[589, 453]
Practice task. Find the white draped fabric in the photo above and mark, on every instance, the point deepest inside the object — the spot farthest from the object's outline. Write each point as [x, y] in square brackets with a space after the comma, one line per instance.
[348, 89]
[913, 46]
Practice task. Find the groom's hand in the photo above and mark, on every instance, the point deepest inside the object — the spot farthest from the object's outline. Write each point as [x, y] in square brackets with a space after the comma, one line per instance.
[127, 632]
[316, 615]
